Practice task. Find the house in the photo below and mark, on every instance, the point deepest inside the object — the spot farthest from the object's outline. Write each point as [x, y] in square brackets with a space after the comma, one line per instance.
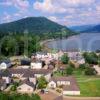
[22, 74]
[43, 72]
[36, 65]
[72, 89]
[26, 87]
[58, 81]
[5, 64]
[3, 84]
[6, 75]
[68, 84]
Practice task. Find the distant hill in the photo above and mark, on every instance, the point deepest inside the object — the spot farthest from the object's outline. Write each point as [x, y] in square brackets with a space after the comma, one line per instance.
[81, 28]
[94, 29]
[34, 25]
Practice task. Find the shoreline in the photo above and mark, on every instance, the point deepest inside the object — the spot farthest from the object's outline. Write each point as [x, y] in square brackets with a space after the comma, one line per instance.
[45, 46]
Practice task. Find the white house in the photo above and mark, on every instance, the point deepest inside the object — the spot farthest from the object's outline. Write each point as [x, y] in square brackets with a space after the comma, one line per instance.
[69, 85]
[36, 65]
[58, 81]
[5, 64]
[26, 87]
[52, 84]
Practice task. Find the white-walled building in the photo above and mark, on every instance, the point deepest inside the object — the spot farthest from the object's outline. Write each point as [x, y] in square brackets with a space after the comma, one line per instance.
[69, 85]
[5, 64]
[26, 87]
[36, 65]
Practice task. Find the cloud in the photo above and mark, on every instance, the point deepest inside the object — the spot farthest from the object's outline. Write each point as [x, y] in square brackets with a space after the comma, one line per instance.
[60, 6]
[75, 3]
[20, 4]
[70, 12]
[98, 7]
[47, 6]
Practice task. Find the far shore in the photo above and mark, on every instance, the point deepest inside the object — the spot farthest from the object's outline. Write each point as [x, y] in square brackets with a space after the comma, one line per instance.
[44, 45]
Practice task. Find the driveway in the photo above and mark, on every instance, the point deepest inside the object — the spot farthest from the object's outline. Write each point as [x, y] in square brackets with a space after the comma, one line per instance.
[48, 96]
[56, 96]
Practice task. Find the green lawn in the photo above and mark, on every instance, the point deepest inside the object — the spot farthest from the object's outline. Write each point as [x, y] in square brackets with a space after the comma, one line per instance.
[90, 88]
[89, 85]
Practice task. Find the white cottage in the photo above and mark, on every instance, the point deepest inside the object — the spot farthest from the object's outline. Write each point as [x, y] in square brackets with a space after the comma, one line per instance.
[5, 64]
[36, 65]
[69, 85]
[26, 87]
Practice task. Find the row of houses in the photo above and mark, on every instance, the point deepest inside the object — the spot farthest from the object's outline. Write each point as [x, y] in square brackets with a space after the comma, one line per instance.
[43, 57]
[28, 78]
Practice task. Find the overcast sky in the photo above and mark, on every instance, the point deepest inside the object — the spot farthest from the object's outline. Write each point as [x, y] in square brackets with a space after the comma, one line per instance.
[65, 12]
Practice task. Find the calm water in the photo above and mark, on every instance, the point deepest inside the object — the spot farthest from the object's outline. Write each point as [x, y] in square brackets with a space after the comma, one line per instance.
[84, 42]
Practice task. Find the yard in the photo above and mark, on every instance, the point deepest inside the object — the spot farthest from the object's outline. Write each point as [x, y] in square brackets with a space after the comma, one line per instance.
[90, 88]
[89, 85]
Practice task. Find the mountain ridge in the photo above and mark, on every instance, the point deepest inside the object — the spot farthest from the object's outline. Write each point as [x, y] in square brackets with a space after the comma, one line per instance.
[36, 25]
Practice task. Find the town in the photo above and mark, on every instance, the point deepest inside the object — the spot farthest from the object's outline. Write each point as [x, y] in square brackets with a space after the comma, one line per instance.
[44, 72]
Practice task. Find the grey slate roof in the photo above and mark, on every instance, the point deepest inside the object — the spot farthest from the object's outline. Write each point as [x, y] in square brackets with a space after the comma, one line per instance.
[73, 83]
[26, 81]
[25, 72]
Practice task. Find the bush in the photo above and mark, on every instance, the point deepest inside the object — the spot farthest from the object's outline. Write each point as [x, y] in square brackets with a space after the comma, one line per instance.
[59, 90]
[82, 66]
[16, 96]
[90, 71]
[69, 70]
[14, 86]
[42, 83]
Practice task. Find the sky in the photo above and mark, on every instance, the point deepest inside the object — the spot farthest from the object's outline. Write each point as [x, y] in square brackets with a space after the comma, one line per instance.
[65, 12]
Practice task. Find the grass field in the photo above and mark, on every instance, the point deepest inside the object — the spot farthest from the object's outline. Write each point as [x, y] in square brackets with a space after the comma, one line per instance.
[89, 85]
[90, 88]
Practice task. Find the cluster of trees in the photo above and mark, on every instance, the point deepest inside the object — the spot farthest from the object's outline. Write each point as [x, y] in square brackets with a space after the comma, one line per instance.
[4, 96]
[91, 58]
[19, 45]
[87, 69]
